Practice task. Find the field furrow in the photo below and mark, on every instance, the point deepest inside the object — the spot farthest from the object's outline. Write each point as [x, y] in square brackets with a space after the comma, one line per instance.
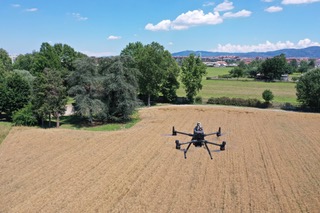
[271, 164]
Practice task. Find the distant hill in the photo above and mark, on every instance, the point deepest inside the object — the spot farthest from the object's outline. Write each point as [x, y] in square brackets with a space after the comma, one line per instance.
[309, 52]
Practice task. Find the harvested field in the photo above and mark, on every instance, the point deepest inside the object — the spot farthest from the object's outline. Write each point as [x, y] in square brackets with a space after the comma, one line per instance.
[271, 164]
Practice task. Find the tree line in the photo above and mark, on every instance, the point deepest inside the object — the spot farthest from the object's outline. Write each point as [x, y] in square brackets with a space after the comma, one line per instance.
[271, 69]
[36, 87]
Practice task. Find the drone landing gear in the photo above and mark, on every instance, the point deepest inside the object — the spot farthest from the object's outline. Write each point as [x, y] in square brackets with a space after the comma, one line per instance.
[208, 150]
[185, 151]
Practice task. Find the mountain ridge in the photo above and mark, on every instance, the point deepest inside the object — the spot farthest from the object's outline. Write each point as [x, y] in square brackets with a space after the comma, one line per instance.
[308, 52]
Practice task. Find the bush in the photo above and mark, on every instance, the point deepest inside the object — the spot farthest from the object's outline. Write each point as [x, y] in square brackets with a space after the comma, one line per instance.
[24, 117]
[225, 76]
[267, 96]
[198, 100]
[236, 102]
[294, 78]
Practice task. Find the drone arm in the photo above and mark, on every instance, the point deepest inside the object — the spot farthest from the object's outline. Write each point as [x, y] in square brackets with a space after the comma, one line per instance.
[212, 143]
[218, 133]
[186, 143]
[213, 133]
[174, 132]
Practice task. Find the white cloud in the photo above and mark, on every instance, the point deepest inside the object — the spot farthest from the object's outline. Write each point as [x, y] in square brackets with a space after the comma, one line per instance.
[163, 25]
[187, 20]
[267, 0]
[16, 5]
[112, 37]
[226, 5]
[78, 17]
[273, 9]
[207, 4]
[299, 1]
[170, 43]
[267, 46]
[242, 13]
[32, 9]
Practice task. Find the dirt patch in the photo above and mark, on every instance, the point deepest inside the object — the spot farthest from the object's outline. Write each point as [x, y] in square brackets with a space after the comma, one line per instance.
[271, 164]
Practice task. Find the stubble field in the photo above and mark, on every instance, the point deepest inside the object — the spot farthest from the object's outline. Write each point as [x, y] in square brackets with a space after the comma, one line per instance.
[271, 164]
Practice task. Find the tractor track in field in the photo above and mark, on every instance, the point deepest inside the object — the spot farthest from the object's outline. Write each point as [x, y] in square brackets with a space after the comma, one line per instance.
[271, 164]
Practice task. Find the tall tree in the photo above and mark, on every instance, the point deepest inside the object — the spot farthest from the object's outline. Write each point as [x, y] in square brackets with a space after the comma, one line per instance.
[120, 87]
[5, 60]
[15, 93]
[39, 99]
[303, 66]
[47, 57]
[273, 68]
[86, 89]
[50, 96]
[308, 89]
[293, 65]
[56, 94]
[154, 64]
[171, 83]
[193, 69]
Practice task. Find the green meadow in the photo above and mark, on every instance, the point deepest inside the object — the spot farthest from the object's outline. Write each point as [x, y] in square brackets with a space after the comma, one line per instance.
[284, 92]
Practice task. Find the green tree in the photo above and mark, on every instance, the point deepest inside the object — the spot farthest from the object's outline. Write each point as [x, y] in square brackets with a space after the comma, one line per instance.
[24, 116]
[193, 69]
[171, 84]
[308, 89]
[50, 96]
[67, 55]
[237, 72]
[304, 66]
[86, 89]
[267, 96]
[15, 93]
[293, 65]
[47, 57]
[242, 65]
[39, 104]
[24, 62]
[120, 87]
[156, 68]
[274, 67]
[312, 63]
[56, 94]
[5, 60]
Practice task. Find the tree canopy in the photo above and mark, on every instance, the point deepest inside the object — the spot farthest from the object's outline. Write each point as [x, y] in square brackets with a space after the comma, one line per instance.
[308, 89]
[273, 68]
[193, 69]
[158, 70]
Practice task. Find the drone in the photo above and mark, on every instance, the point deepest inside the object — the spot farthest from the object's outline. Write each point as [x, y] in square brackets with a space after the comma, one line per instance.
[198, 139]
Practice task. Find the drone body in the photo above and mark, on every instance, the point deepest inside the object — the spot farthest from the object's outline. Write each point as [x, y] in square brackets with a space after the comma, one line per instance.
[198, 140]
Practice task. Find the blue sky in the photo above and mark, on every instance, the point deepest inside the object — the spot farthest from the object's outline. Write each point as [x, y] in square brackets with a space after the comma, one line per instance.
[105, 27]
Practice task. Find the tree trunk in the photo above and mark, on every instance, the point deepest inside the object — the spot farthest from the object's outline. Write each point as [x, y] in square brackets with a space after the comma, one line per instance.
[148, 100]
[58, 120]
[49, 120]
